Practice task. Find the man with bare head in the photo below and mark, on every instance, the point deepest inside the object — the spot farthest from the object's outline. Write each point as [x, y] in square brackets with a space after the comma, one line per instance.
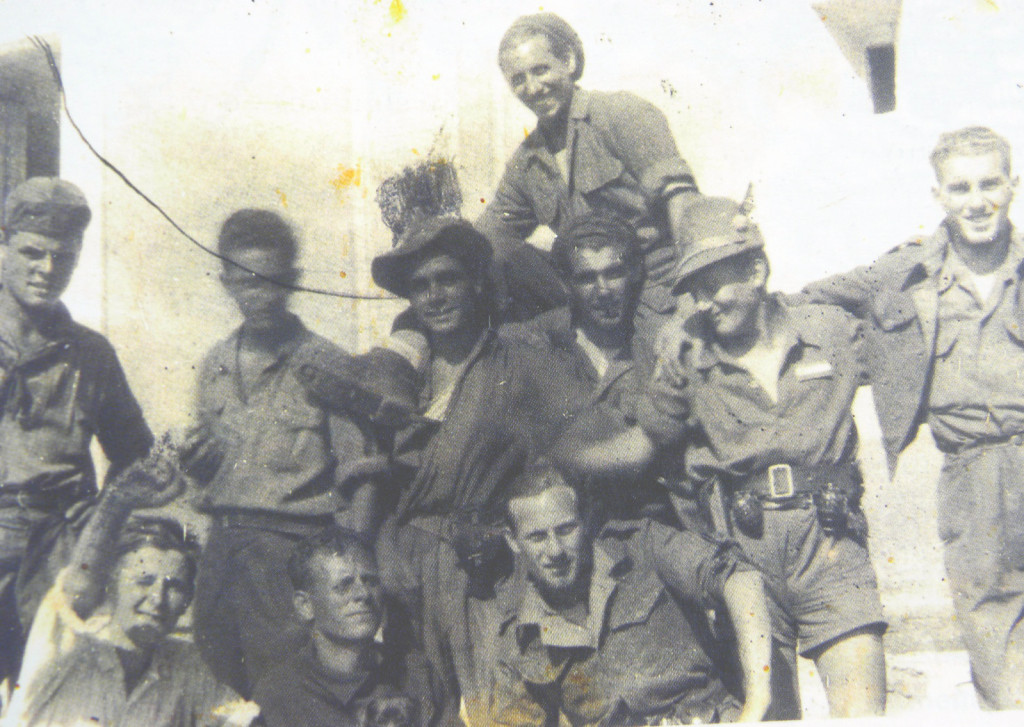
[591, 152]
[944, 316]
[608, 626]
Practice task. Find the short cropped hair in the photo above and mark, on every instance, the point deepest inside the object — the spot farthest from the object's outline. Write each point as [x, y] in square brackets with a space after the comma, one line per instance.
[561, 36]
[329, 541]
[537, 479]
[249, 229]
[970, 141]
[162, 534]
[594, 232]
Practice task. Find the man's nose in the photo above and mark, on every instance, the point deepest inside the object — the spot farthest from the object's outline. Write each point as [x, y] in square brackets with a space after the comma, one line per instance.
[532, 84]
[602, 284]
[435, 292]
[977, 199]
[360, 591]
[554, 548]
[45, 264]
[156, 596]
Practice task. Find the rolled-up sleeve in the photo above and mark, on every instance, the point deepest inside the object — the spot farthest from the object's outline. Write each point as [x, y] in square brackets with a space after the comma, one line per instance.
[694, 566]
[646, 147]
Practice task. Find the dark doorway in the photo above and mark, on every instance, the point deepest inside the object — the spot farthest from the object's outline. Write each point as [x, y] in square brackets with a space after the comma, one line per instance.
[29, 115]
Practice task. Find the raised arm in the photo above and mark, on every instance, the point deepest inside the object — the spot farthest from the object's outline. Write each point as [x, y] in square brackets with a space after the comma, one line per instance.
[151, 482]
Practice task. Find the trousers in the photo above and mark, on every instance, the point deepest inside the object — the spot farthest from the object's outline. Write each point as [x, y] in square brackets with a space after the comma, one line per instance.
[981, 522]
[244, 620]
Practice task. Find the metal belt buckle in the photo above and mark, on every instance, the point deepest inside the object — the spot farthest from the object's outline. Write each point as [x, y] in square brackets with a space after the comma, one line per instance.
[780, 481]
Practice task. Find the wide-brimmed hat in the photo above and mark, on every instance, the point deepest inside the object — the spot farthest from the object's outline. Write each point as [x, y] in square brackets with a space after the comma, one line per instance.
[717, 229]
[446, 233]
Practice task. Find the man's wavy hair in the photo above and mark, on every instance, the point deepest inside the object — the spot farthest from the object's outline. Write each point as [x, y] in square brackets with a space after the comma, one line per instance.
[970, 141]
[538, 478]
[162, 534]
[562, 38]
[595, 231]
[329, 541]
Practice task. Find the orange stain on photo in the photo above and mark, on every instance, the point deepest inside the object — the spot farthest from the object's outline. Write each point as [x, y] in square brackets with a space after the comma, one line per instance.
[347, 177]
[283, 196]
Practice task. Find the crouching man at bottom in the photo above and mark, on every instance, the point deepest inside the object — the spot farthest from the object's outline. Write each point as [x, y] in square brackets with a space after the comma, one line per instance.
[100, 650]
[338, 679]
[611, 629]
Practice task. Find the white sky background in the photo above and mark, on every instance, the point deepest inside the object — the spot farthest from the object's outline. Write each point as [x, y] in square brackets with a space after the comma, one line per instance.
[210, 106]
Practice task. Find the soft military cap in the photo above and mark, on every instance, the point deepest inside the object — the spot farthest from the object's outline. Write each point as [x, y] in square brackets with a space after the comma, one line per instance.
[601, 226]
[47, 206]
[717, 230]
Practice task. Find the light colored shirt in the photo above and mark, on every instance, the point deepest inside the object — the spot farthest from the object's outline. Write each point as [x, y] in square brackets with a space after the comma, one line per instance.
[277, 448]
[977, 389]
[72, 675]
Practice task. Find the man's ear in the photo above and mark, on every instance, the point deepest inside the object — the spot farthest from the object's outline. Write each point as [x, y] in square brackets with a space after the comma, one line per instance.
[571, 62]
[510, 538]
[303, 606]
[759, 271]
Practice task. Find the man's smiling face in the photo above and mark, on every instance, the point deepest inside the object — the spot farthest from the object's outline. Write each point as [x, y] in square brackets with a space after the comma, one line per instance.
[976, 191]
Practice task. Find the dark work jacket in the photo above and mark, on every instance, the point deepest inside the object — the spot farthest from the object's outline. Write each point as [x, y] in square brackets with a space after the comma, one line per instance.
[897, 297]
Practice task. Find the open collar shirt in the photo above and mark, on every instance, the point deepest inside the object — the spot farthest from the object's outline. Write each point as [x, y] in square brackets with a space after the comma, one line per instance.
[54, 400]
[508, 402]
[278, 448]
[977, 387]
[742, 429]
[72, 677]
[644, 651]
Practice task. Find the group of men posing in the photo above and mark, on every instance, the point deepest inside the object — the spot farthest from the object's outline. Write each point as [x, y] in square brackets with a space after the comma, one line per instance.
[614, 484]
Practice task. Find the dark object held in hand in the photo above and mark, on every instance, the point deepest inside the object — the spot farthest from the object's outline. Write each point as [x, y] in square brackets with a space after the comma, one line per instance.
[380, 385]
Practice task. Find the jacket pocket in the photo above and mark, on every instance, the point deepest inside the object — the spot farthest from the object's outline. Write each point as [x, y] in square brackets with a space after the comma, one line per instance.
[894, 313]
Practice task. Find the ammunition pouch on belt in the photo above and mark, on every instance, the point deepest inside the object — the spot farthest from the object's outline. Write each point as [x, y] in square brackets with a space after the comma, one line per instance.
[481, 551]
[833, 490]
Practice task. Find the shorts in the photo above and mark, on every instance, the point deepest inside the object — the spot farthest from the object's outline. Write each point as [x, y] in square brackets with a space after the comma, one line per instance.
[821, 587]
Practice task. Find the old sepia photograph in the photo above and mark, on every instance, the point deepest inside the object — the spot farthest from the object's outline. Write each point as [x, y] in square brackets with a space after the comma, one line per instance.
[395, 363]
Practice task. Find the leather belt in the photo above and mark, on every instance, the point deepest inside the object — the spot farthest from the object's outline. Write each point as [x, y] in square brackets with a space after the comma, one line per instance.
[798, 483]
[52, 500]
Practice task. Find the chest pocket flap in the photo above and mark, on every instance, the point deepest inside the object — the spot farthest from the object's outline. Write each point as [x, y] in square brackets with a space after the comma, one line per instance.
[892, 313]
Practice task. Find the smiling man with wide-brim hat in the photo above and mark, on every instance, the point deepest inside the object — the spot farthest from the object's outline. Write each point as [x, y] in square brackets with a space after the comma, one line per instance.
[452, 234]
[487, 405]
[716, 229]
